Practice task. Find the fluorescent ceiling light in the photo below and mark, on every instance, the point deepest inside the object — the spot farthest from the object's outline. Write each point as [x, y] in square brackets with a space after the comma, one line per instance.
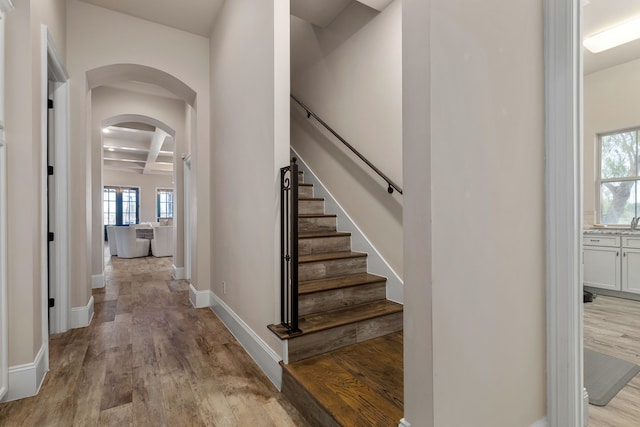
[615, 36]
[111, 149]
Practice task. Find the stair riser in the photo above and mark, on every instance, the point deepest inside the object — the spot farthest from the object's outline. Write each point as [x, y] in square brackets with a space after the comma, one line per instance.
[340, 298]
[310, 207]
[300, 177]
[317, 245]
[331, 268]
[319, 224]
[305, 191]
[303, 401]
[321, 342]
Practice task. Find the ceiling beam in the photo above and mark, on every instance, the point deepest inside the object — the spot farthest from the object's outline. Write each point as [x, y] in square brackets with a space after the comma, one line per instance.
[156, 144]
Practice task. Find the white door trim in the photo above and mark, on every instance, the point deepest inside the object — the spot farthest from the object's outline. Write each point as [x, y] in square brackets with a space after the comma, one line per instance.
[52, 68]
[563, 147]
[186, 214]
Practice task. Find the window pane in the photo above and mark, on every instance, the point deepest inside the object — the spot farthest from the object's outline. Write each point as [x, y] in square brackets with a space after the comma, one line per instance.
[619, 155]
[618, 202]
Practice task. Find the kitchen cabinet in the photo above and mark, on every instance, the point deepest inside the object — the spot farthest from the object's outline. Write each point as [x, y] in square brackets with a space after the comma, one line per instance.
[601, 258]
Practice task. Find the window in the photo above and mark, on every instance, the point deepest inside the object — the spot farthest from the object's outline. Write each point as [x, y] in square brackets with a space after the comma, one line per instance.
[165, 204]
[120, 205]
[619, 177]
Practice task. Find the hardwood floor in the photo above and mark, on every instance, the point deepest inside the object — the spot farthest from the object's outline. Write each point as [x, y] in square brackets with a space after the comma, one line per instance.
[358, 385]
[612, 326]
[150, 359]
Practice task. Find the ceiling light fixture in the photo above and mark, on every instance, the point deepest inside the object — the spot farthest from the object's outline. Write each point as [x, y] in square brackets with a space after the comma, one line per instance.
[615, 36]
[105, 130]
[111, 149]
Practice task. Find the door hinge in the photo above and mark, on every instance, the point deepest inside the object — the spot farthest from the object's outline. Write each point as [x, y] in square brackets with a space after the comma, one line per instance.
[49, 170]
[49, 103]
[52, 302]
[50, 237]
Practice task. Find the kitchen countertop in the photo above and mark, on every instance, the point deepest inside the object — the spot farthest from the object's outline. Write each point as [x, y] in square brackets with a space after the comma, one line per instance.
[613, 231]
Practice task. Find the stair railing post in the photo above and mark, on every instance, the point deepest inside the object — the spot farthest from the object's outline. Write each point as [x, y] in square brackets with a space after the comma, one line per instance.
[294, 246]
[284, 228]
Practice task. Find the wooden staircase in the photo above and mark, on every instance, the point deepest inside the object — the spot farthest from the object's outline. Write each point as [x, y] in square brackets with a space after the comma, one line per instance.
[340, 303]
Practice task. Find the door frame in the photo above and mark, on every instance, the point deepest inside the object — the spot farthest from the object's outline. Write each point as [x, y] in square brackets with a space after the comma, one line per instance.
[53, 69]
[186, 214]
[566, 404]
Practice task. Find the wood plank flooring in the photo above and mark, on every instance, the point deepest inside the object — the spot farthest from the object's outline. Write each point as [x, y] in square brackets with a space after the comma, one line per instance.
[612, 326]
[150, 359]
[358, 385]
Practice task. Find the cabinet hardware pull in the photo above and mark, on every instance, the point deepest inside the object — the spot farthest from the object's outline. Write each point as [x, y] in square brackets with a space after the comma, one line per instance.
[594, 240]
[617, 253]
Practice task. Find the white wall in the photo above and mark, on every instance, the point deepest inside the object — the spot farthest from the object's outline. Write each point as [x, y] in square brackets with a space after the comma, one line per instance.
[148, 185]
[483, 283]
[350, 74]
[24, 172]
[610, 104]
[249, 100]
[108, 102]
[98, 37]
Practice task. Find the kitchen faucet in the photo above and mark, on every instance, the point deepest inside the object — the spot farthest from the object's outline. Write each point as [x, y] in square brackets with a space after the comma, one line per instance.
[634, 222]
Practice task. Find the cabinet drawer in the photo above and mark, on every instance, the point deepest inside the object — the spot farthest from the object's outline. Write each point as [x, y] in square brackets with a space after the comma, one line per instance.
[599, 240]
[631, 242]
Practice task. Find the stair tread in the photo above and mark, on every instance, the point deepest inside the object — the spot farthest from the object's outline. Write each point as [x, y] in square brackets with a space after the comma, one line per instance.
[302, 184]
[311, 199]
[319, 285]
[318, 322]
[317, 215]
[315, 234]
[327, 256]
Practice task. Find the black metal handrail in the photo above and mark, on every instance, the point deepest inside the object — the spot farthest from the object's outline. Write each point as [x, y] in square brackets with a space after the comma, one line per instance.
[289, 247]
[392, 185]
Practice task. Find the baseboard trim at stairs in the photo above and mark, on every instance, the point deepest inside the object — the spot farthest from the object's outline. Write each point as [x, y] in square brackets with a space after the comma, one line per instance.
[25, 380]
[359, 242]
[81, 316]
[199, 299]
[267, 359]
[97, 281]
[178, 273]
[404, 423]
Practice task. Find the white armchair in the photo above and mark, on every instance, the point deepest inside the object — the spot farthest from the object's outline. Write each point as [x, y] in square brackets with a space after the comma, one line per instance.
[162, 242]
[128, 245]
[111, 237]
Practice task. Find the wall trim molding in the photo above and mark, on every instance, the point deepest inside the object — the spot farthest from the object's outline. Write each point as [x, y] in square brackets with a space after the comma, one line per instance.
[97, 281]
[266, 358]
[359, 242]
[81, 316]
[199, 299]
[404, 423]
[563, 211]
[177, 272]
[25, 380]
[541, 423]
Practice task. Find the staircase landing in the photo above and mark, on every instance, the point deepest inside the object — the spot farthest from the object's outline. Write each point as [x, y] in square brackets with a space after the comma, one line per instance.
[358, 385]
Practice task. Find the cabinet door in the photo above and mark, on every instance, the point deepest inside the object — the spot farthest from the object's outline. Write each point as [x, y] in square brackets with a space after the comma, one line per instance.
[631, 270]
[602, 267]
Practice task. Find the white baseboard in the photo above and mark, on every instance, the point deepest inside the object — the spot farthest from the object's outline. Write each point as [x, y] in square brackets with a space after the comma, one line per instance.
[541, 423]
[97, 281]
[178, 272]
[25, 380]
[81, 316]
[359, 242]
[585, 407]
[199, 299]
[404, 423]
[267, 359]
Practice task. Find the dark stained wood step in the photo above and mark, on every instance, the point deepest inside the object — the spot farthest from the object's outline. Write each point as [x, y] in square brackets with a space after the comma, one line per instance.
[321, 285]
[317, 222]
[331, 319]
[330, 256]
[312, 199]
[358, 385]
[318, 234]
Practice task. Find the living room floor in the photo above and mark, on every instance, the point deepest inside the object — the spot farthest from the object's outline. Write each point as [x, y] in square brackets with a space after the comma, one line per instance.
[612, 326]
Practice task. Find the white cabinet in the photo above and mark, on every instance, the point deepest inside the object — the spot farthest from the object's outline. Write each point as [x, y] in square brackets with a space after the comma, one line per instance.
[602, 267]
[612, 262]
[631, 264]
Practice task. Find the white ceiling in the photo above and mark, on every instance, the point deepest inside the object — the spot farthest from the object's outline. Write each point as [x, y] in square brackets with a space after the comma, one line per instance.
[138, 148]
[598, 15]
[193, 16]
